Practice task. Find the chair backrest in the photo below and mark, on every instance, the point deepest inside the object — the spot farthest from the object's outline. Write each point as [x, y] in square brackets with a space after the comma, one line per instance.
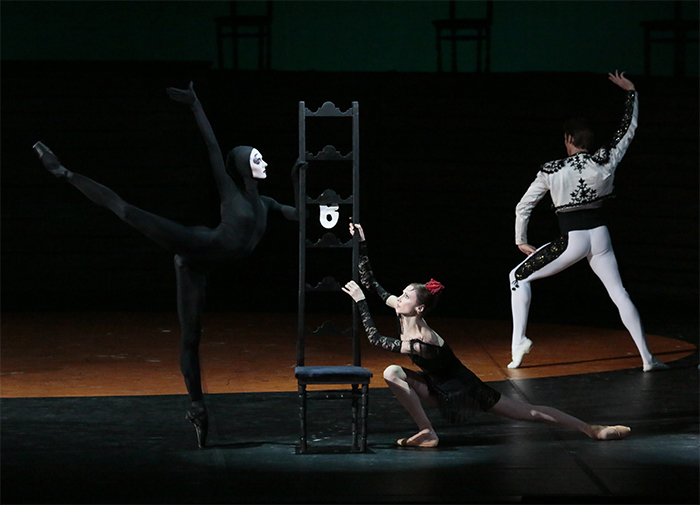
[489, 11]
[324, 164]
[677, 10]
[235, 14]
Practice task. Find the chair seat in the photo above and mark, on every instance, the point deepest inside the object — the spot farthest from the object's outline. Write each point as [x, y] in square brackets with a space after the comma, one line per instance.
[333, 374]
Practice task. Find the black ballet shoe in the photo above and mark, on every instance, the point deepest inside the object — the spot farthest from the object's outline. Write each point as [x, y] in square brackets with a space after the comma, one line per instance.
[198, 417]
[50, 161]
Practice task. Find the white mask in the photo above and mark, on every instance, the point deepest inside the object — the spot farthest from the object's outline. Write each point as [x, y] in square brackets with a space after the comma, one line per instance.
[257, 165]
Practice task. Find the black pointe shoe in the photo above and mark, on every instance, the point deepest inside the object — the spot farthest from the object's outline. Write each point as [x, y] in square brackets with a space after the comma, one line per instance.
[198, 417]
[49, 159]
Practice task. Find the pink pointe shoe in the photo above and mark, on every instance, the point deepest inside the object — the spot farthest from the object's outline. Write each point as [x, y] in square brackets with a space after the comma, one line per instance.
[425, 438]
[611, 432]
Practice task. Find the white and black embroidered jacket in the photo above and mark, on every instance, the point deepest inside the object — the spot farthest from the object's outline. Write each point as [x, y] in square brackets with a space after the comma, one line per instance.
[582, 180]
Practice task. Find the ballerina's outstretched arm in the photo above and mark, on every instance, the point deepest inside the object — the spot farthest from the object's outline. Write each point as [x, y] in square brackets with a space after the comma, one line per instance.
[187, 96]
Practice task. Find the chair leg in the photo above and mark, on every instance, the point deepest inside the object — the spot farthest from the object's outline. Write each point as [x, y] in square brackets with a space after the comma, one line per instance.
[438, 46]
[679, 53]
[488, 49]
[479, 38]
[220, 46]
[363, 416]
[647, 52]
[454, 50]
[261, 48]
[234, 43]
[355, 391]
[302, 418]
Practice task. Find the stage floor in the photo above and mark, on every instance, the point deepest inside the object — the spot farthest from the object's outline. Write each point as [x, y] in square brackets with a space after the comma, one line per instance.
[93, 412]
[135, 353]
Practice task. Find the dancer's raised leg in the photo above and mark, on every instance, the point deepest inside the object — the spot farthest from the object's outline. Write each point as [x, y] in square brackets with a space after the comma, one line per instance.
[169, 234]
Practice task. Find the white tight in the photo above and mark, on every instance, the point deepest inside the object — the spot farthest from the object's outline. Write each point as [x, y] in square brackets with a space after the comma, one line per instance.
[594, 245]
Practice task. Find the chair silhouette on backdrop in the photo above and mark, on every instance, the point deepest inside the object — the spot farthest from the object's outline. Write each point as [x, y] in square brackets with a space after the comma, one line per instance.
[237, 26]
[676, 31]
[456, 29]
[329, 202]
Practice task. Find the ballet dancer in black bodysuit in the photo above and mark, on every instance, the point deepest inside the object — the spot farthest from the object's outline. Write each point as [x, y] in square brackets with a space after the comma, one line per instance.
[443, 381]
[198, 249]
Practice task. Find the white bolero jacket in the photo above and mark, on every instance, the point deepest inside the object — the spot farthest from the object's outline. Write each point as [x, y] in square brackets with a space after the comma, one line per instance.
[582, 180]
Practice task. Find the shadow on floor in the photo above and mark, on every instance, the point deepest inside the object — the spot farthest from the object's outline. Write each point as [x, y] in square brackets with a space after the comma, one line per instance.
[139, 449]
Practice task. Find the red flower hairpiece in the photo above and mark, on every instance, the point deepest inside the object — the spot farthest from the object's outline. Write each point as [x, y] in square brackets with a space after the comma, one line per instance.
[434, 286]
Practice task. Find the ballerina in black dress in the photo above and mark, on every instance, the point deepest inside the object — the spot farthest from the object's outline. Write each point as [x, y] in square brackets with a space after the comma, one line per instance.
[443, 381]
[198, 249]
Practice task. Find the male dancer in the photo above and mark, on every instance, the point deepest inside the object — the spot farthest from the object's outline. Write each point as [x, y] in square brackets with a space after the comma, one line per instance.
[578, 185]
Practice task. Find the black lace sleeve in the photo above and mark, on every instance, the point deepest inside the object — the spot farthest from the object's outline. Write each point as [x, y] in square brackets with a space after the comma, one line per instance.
[367, 276]
[386, 343]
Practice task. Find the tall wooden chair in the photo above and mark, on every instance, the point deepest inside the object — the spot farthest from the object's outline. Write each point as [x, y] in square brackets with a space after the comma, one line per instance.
[456, 29]
[329, 202]
[239, 26]
[676, 31]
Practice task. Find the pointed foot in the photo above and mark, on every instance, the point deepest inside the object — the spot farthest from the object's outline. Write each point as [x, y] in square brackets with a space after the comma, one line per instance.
[655, 365]
[198, 417]
[424, 438]
[611, 432]
[50, 161]
[519, 353]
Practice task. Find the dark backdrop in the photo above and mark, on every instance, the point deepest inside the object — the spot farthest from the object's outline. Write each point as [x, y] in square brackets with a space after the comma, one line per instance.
[349, 35]
[444, 159]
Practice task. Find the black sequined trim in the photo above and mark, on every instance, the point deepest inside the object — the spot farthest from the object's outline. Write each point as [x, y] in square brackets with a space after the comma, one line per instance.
[626, 118]
[552, 167]
[575, 161]
[602, 156]
[540, 259]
